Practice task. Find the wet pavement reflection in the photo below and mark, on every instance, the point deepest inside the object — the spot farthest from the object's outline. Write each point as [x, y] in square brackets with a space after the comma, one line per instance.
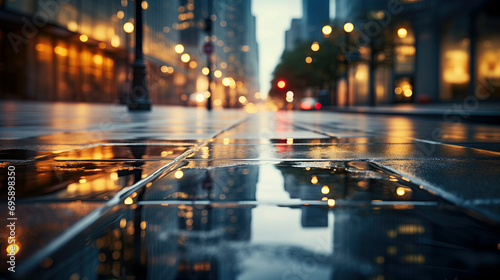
[311, 220]
[258, 200]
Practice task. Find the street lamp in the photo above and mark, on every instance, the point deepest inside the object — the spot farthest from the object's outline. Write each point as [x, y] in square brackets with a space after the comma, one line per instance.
[139, 100]
[348, 28]
[327, 30]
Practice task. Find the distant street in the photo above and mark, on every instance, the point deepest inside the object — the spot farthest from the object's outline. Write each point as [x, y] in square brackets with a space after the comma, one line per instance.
[179, 191]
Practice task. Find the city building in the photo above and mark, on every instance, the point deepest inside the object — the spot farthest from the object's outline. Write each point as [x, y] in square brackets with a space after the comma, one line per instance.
[82, 51]
[420, 51]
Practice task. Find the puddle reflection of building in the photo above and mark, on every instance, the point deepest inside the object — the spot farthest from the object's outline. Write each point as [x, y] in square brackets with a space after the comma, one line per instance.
[194, 241]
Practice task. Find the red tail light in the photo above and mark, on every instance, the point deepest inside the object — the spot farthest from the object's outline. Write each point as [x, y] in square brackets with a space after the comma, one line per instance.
[305, 106]
[317, 105]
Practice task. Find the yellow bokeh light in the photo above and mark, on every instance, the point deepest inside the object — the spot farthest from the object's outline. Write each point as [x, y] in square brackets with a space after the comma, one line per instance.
[217, 73]
[144, 5]
[226, 81]
[289, 141]
[113, 176]
[164, 69]
[185, 57]
[408, 93]
[98, 59]
[82, 181]
[115, 41]
[327, 30]
[331, 202]
[120, 14]
[179, 48]
[314, 180]
[309, 59]
[128, 201]
[205, 71]
[242, 99]
[12, 249]
[400, 191]
[102, 45]
[193, 64]
[84, 38]
[315, 47]
[398, 90]
[128, 27]
[325, 190]
[402, 33]
[348, 27]
[178, 174]
[72, 26]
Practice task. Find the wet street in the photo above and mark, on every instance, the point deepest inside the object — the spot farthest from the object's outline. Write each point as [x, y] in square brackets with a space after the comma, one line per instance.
[182, 193]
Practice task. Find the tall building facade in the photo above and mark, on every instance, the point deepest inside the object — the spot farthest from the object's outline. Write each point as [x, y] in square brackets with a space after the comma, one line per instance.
[70, 50]
[315, 14]
[423, 50]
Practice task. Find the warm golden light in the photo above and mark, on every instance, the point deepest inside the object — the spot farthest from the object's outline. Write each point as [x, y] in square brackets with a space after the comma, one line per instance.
[400, 191]
[325, 190]
[102, 45]
[72, 26]
[179, 48]
[164, 69]
[226, 82]
[348, 27]
[398, 90]
[408, 93]
[98, 59]
[245, 48]
[217, 73]
[242, 99]
[144, 5]
[84, 38]
[128, 27]
[281, 84]
[128, 201]
[12, 249]
[193, 64]
[120, 14]
[170, 70]
[402, 33]
[327, 30]
[205, 71]
[113, 176]
[331, 202]
[309, 59]
[314, 180]
[61, 51]
[178, 174]
[185, 57]
[200, 97]
[115, 41]
[315, 47]
[289, 141]
[82, 181]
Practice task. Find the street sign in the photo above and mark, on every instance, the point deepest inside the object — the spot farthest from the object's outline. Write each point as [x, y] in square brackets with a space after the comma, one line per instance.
[208, 48]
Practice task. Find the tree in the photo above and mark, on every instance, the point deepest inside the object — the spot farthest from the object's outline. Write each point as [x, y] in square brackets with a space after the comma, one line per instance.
[320, 72]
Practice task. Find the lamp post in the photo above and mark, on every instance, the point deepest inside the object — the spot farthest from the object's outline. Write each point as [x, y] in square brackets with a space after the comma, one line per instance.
[139, 99]
[348, 28]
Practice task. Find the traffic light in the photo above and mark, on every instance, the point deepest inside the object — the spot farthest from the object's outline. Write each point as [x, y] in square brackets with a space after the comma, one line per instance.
[281, 84]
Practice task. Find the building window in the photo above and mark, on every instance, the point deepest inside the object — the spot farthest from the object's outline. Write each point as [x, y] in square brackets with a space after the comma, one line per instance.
[488, 56]
[455, 60]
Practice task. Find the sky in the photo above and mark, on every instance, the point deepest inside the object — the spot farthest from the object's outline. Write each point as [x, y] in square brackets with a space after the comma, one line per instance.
[273, 19]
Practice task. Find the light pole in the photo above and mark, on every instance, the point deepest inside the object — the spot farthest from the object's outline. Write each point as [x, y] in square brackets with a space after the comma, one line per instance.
[348, 28]
[139, 99]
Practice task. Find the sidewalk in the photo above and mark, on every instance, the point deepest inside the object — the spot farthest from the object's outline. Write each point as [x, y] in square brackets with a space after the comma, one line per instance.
[467, 112]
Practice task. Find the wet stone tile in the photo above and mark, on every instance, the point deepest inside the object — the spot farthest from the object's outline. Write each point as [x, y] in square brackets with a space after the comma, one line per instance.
[270, 242]
[125, 151]
[285, 183]
[74, 180]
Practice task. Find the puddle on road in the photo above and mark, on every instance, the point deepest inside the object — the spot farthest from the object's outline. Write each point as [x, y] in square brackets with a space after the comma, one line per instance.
[270, 242]
[208, 220]
[287, 183]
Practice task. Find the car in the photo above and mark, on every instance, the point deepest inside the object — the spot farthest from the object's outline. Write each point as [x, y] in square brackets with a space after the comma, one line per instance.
[309, 103]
